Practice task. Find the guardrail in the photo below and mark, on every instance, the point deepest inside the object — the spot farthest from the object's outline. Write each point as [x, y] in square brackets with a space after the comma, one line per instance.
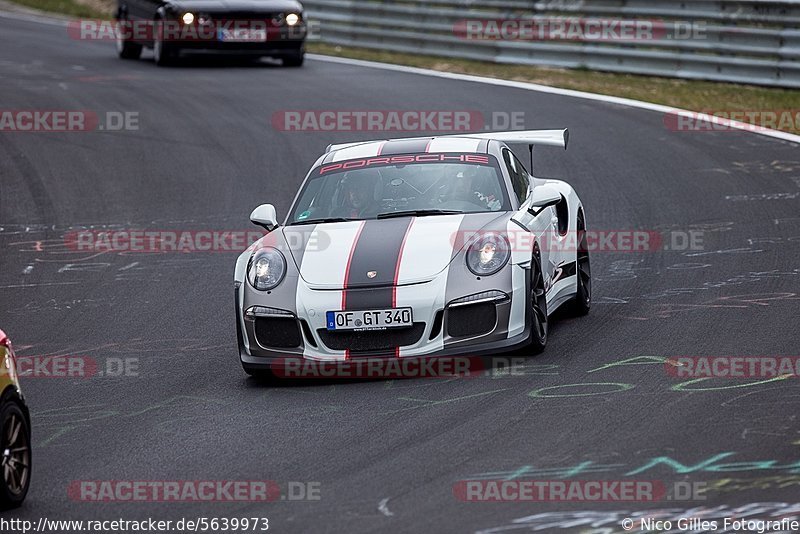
[754, 42]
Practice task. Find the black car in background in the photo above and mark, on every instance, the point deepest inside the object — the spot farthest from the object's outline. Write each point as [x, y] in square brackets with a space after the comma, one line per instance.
[274, 28]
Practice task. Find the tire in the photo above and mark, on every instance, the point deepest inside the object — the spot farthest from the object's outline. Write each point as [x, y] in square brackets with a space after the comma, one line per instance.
[295, 60]
[15, 445]
[582, 302]
[537, 305]
[164, 53]
[126, 49]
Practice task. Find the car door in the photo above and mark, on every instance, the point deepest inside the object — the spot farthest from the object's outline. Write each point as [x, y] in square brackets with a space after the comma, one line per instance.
[541, 222]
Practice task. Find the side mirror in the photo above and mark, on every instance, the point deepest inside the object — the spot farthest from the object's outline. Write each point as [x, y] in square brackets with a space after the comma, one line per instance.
[542, 197]
[265, 216]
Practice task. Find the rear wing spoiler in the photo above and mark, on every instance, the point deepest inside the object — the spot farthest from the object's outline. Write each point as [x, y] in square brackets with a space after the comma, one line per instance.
[559, 138]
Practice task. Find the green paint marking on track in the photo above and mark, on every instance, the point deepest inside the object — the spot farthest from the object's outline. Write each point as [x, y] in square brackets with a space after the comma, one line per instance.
[438, 402]
[681, 386]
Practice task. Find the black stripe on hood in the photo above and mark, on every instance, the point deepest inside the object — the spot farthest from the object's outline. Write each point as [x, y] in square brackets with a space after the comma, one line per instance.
[377, 250]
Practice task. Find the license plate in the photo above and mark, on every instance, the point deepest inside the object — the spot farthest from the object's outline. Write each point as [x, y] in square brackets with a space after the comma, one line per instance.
[369, 319]
[242, 35]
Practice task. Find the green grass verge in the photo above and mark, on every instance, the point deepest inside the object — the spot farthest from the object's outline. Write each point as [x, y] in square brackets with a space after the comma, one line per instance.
[684, 94]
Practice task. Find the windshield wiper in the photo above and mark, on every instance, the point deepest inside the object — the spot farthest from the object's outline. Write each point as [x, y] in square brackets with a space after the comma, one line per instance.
[417, 213]
[322, 220]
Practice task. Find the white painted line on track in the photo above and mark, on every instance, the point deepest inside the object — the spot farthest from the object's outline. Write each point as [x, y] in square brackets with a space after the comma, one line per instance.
[384, 509]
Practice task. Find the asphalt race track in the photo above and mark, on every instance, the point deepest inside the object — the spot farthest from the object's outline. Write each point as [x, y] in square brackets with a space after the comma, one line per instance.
[385, 454]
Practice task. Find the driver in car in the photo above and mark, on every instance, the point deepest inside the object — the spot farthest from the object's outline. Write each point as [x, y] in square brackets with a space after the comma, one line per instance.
[467, 188]
[357, 189]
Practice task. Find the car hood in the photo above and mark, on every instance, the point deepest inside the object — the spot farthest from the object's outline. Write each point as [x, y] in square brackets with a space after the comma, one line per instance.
[382, 252]
[247, 6]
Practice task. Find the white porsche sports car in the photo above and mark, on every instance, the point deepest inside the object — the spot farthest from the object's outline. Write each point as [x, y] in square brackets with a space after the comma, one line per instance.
[413, 248]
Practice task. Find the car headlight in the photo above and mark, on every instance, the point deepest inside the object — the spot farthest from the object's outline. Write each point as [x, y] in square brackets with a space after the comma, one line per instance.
[292, 19]
[488, 254]
[267, 269]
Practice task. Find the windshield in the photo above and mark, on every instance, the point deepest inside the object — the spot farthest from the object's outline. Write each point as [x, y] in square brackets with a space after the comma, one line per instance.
[420, 184]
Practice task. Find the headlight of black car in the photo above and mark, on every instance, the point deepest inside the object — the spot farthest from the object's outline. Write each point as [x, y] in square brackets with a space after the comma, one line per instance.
[292, 19]
[488, 254]
[267, 269]
[289, 19]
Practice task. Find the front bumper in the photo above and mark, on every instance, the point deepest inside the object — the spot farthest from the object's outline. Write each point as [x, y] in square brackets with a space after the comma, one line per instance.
[443, 326]
[280, 40]
[267, 48]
